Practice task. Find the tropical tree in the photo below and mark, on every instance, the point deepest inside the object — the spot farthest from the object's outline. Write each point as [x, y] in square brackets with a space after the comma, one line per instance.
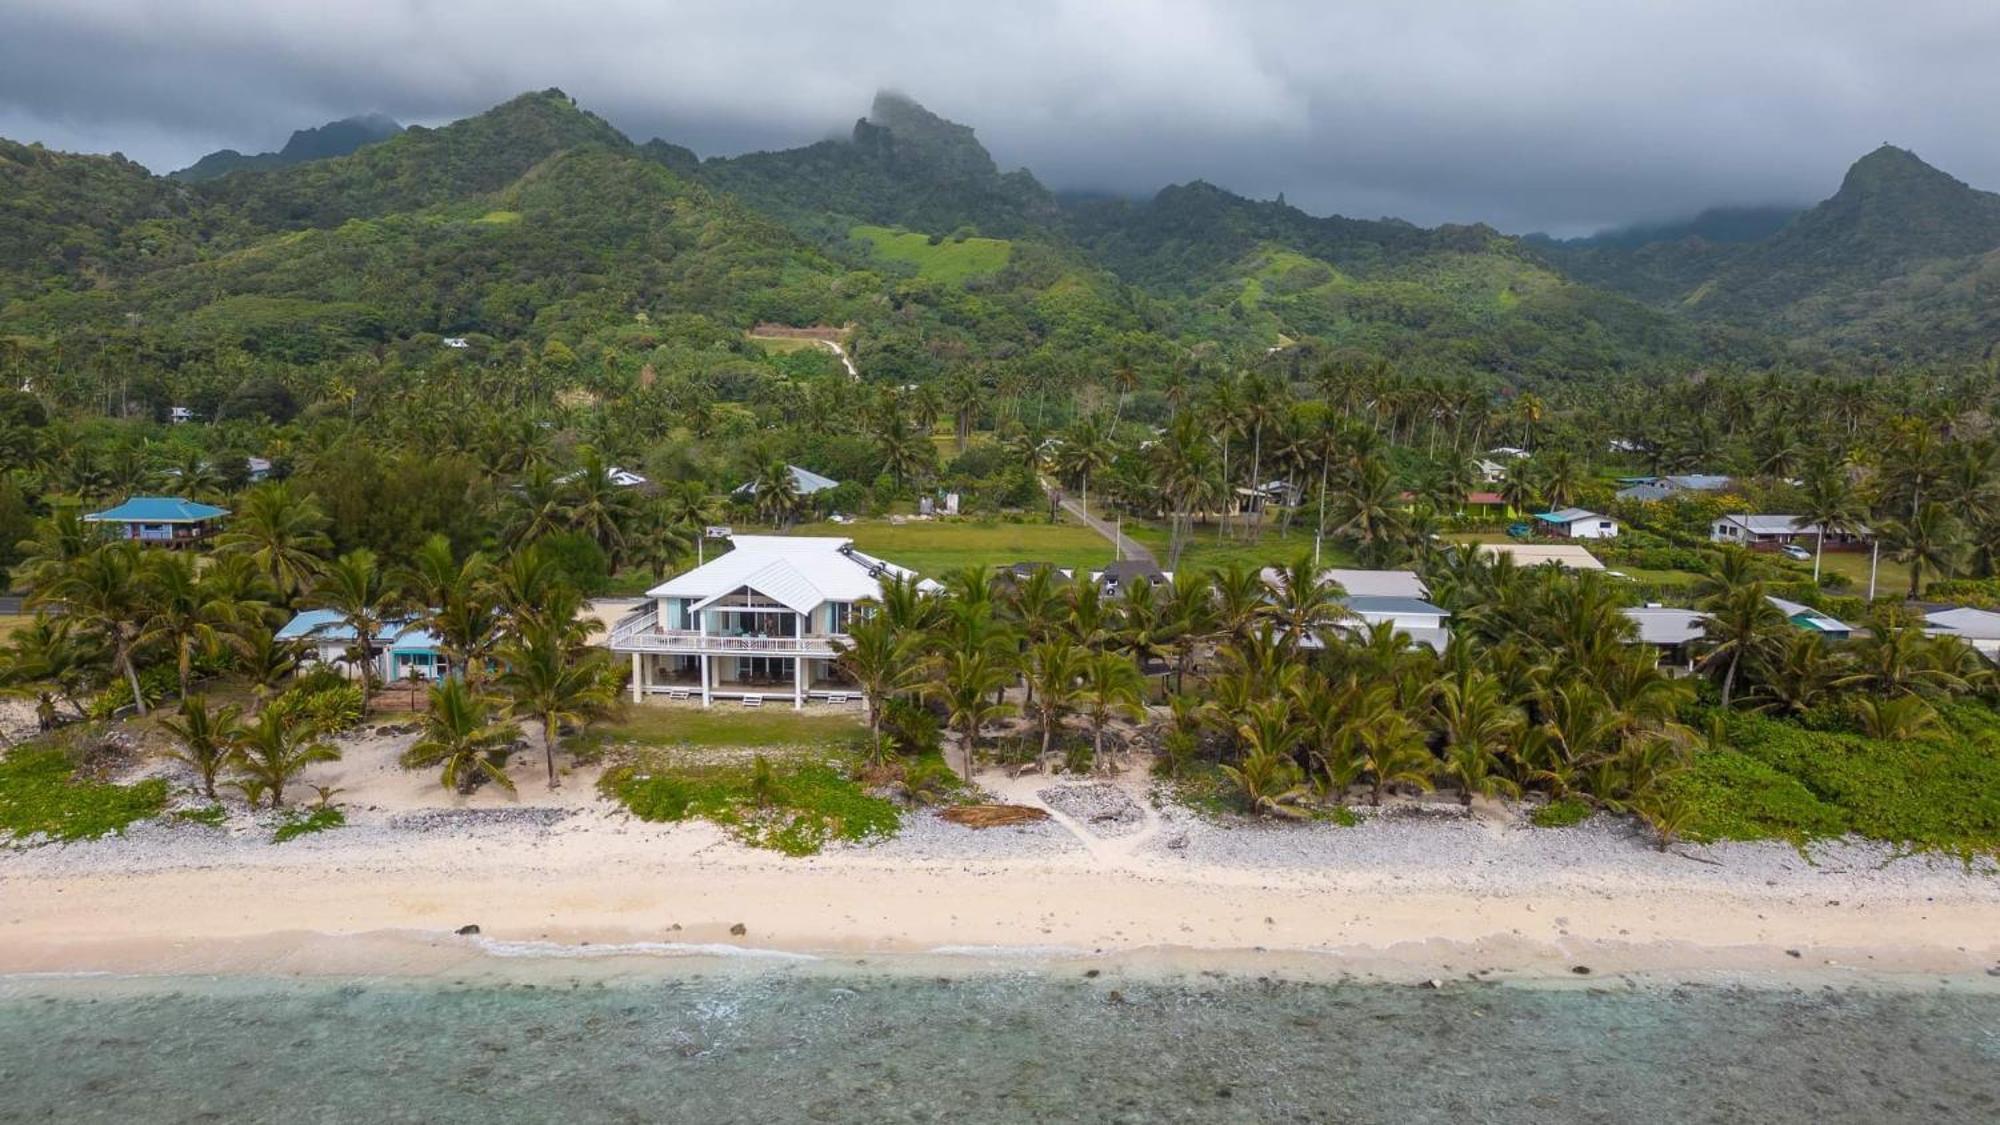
[207, 739]
[880, 657]
[1829, 505]
[104, 593]
[184, 614]
[462, 739]
[1477, 725]
[1740, 629]
[1929, 540]
[968, 681]
[272, 751]
[548, 679]
[360, 593]
[283, 532]
[1053, 669]
[1111, 685]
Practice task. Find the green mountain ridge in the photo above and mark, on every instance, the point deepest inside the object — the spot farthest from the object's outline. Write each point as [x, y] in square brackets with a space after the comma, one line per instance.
[335, 138]
[537, 223]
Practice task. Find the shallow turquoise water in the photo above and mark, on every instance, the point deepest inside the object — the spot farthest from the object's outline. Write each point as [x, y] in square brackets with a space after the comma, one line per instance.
[1033, 1046]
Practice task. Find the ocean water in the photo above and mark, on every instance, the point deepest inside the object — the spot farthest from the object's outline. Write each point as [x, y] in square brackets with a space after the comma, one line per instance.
[1047, 1044]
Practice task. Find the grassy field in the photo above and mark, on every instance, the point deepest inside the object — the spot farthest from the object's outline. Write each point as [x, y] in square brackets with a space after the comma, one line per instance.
[1203, 552]
[932, 547]
[11, 622]
[1892, 581]
[786, 345]
[948, 261]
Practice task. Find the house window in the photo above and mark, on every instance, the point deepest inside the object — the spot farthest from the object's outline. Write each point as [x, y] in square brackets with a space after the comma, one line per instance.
[762, 668]
[837, 615]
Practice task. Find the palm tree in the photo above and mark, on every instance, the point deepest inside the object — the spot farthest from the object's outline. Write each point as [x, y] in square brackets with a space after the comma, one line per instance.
[1928, 539]
[551, 681]
[1829, 505]
[880, 658]
[1054, 666]
[272, 751]
[1269, 783]
[1305, 603]
[597, 505]
[1112, 685]
[1741, 627]
[358, 590]
[968, 683]
[184, 615]
[1477, 724]
[455, 601]
[1563, 477]
[53, 655]
[460, 736]
[207, 738]
[104, 593]
[283, 532]
[1387, 746]
[776, 492]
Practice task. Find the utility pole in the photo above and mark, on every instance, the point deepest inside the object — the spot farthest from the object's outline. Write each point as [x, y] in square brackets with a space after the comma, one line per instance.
[1874, 562]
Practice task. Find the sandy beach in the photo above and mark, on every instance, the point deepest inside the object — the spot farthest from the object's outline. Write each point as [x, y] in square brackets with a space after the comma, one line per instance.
[1419, 892]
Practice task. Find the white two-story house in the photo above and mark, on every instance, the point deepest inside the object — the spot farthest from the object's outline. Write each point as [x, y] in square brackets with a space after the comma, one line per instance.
[756, 624]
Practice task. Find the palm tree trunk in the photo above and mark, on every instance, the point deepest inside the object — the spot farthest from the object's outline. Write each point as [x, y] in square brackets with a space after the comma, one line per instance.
[1819, 548]
[971, 744]
[132, 678]
[549, 748]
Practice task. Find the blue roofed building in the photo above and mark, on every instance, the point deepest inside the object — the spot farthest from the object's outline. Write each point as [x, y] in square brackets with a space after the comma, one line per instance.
[168, 521]
[402, 648]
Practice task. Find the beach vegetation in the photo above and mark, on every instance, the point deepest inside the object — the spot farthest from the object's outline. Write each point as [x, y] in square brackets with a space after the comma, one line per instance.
[795, 805]
[307, 822]
[462, 740]
[42, 795]
[208, 816]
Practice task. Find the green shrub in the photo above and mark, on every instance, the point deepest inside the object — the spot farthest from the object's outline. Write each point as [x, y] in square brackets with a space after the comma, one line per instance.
[299, 824]
[324, 710]
[795, 809]
[212, 816]
[1566, 812]
[40, 794]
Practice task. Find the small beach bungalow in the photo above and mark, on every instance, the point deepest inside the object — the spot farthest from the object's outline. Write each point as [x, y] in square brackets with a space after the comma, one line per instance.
[1772, 532]
[402, 649]
[756, 624]
[167, 521]
[1576, 523]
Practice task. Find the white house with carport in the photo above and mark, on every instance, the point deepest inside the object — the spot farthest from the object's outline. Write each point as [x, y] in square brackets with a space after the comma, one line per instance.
[757, 624]
[1576, 523]
[1770, 532]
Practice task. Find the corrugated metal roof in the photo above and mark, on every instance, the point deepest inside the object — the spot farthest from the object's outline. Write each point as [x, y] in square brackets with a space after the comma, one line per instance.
[1807, 617]
[1662, 626]
[1567, 515]
[1389, 606]
[1771, 524]
[1536, 554]
[158, 509]
[326, 625]
[820, 571]
[1377, 583]
[1966, 622]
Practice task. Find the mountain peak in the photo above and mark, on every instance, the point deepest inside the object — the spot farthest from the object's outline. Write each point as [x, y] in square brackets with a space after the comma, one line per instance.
[1894, 170]
[899, 127]
[335, 138]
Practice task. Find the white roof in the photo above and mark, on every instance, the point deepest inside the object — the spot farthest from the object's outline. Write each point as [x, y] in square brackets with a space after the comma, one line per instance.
[1378, 583]
[1769, 524]
[797, 571]
[1966, 622]
[1662, 626]
[1535, 554]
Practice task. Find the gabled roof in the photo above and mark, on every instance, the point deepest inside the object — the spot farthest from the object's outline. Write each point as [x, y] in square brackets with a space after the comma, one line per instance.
[1660, 625]
[1393, 606]
[805, 481]
[326, 625]
[1769, 524]
[798, 571]
[1367, 583]
[1806, 617]
[158, 509]
[1698, 482]
[1646, 492]
[1964, 622]
[1536, 554]
[1568, 515]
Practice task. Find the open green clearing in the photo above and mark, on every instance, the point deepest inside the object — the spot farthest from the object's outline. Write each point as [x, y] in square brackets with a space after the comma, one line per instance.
[730, 726]
[950, 261]
[1203, 551]
[41, 794]
[934, 547]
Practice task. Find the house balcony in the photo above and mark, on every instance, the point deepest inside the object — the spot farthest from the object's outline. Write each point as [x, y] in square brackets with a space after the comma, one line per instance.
[640, 632]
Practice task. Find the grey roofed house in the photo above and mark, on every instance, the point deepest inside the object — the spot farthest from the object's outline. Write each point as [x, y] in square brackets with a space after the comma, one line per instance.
[1666, 626]
[805, 480]
[1667, 487]
[1979, 628]
[1118, 575]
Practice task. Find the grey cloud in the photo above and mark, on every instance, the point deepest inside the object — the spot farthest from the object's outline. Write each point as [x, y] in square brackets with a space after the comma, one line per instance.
[1530, 115]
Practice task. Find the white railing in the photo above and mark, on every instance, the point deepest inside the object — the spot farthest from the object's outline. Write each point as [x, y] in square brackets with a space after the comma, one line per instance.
[645, 637]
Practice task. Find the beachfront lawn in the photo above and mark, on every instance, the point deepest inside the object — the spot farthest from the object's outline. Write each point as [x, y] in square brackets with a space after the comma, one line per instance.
[934, 547]
[730, 727]
[40, 794]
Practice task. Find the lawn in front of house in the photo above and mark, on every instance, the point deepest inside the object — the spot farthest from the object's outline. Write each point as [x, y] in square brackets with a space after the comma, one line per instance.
[731, 726]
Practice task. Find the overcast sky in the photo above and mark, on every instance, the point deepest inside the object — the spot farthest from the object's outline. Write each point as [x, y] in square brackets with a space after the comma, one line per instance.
[1530, 114]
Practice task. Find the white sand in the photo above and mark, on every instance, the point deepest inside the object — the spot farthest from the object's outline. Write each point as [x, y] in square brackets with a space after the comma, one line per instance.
[1414, 895]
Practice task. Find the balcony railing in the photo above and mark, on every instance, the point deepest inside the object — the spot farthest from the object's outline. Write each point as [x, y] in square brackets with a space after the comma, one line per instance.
[639, 632]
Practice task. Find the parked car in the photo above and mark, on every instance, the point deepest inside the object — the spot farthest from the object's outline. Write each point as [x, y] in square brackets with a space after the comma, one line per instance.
[1797, 552]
